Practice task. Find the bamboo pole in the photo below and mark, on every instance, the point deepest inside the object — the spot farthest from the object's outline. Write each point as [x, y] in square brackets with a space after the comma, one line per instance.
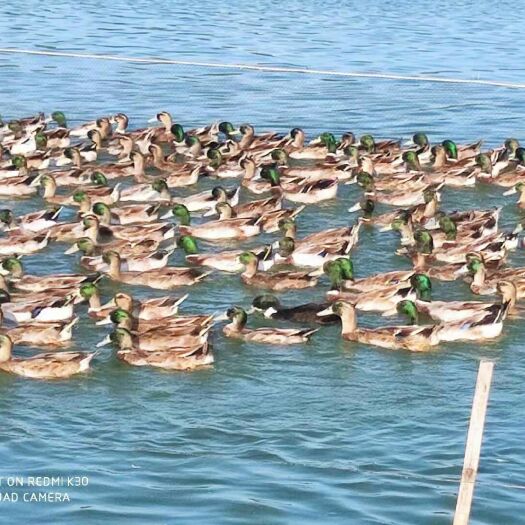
[473, 446]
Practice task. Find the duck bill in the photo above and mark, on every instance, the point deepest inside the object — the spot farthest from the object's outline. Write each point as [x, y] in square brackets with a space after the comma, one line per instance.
[235, 132]
[251, 310]
[386, 228]
[106, 341]
[325, 312]
[36, 181]
[154, 119]
[72, 249]
[316, 273]
[221, 317]
[512, 191]
[210, 213]
[355, 207]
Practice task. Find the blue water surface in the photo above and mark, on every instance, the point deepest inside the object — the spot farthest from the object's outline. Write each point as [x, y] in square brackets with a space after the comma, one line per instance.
[332, 432]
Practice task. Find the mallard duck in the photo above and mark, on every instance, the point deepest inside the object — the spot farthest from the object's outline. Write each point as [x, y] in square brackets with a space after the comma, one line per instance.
[271, 308]
[41, 334]
[24, 244]
[29, 144]
[276, 280]
[21, 186]
[57, 365]
[318, 149]
[413, 338]
[236, 329]
[240, 228]
[157, 191]
[518, 188]
[156, 308]
[174, 358]
[186, 324]
[50, 309]
[207, 200]
[227, 261]
[166, 278]
[124, 215]
[341, 273]
[31, 222]
[41, 283]
[188, 336]
[485, 283]
[310, 256]
[302, 191]
[458, 311]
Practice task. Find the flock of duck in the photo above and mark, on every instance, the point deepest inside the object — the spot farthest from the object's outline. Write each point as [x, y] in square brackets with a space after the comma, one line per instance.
[121, 190]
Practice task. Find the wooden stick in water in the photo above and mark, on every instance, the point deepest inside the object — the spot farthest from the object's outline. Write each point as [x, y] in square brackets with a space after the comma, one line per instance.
[473, 446]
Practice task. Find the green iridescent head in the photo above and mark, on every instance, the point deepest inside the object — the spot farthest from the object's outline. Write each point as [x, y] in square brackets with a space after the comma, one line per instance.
[409, 309]
[98, 178]
[411, 159]
[215, 157]
[474, 265]
[280, 156]
[120, 315]
[422, 285]
[88, 290]
[368, 207]
[402, 219]
[365, 180]
[19, 161]
[424, 241]
[247, 258]
[227, 128]
[80, 196]
[13, 265]
[328, 140]
[159, 185]
[86, 246]
[450, 148]
[188, 244]
[420, 139]
[511, 145]
[181, 212]
[178, 133]
[101, 209]
[347, 267]
[271, 174]
[448, 226]
[520, 155]
[59, 118]
[334, 271]
[483, 161]
[368, 143]
[40, 140]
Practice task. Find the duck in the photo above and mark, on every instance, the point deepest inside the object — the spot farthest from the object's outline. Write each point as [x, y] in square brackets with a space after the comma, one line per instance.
[282, 280]
[485, 283]
[458, 311]
[185, 324]
[411, 338]
[174, 358]
[41, 283]
[271, 308]
[238, 228]
[318, 149]
[19, 187]
[50, 309]
[520, 189]
[166, 278]
[207, 200]
[175, 174]
[236, 329]
[152, 309]
[24, 243]
[126, 215]
[29, 144]
[56, 335]
[57, 365]
[269, 220]
[310, 256]
[157, 191]
[343, 270]
[226, 261]
[154, 340]
[34, 222]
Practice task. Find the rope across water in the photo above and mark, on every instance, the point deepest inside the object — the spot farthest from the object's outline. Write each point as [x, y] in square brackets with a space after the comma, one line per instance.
[266, 68]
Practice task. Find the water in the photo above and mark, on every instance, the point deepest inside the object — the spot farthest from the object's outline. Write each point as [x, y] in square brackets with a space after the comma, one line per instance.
[331, 432]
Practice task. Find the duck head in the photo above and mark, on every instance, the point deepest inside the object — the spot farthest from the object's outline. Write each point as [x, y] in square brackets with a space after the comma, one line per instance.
[422, 285]
[368, 143]
[59, 118]
[178, 133]
[451, 149]
[181, 212]
[268, 304]
[13, 266]
[408, 308]
[188, 244]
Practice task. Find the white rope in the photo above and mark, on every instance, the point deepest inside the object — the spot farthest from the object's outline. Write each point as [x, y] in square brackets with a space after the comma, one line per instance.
[269, 69]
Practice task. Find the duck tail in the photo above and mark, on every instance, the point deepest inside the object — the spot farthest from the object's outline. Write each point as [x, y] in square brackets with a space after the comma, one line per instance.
[308, 332]
[202, 276]
[65, 333]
